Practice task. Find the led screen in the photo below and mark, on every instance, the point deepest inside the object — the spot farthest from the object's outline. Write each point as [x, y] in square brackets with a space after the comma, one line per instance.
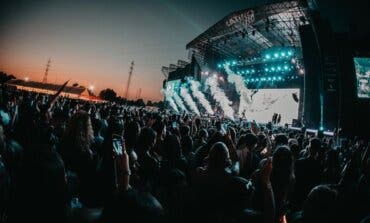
[362, 66]
[265, 102]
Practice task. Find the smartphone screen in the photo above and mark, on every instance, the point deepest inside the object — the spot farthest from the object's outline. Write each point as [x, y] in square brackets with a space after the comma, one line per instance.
[117, 144]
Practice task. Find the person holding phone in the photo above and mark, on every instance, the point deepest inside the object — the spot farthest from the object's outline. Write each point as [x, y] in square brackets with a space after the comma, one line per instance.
[121, 162]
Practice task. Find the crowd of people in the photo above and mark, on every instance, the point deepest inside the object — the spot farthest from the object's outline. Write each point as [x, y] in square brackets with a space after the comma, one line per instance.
[64, 160]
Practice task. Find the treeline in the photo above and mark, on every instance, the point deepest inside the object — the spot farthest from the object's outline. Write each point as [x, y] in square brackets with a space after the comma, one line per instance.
[110, 95]
[4, 77]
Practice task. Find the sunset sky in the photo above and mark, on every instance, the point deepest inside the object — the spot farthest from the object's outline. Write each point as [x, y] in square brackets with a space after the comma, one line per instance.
[94, 42]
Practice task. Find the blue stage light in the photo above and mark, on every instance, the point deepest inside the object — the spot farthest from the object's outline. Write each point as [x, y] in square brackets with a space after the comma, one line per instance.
[283, 54]
[252, 80]
[273, 68]
[273, 78]
[266, 69]
[278, 68]
[279, 78]
[321, 128]
[286, 67]
[276, 55]
[268, 56]
[219, 65]
[242, 71]
[234, 62]
[290, 53]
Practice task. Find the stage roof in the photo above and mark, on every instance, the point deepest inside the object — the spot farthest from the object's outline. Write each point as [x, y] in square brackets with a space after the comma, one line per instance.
[245, 33]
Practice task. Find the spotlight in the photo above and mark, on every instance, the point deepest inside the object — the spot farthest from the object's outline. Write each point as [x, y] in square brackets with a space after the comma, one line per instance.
[321, 128]
[219, 65]
[286, 67]
[26, 79]
[273, 78]
[269, 78]
[279, 78]
[273, 68]
[294, 61]
[278, 68]
[91, 87]
[266, 69]
[301, 71]
[276, 55]
[268, 56]
[234, 62]
[290, 53]
[283, 54]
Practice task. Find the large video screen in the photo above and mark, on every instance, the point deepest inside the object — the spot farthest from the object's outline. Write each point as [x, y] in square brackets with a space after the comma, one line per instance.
[266, 102]
[362, 66]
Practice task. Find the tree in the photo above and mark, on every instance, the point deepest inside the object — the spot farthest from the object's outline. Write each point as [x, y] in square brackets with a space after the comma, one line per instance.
[108, 94]
[140, 103]
[4, 77]
[149, 103]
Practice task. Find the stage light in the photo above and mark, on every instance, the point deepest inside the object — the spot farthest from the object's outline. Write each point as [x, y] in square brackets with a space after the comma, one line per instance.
[257, 79]
[247, 71]
[273, 68]
[269, 78]
[283, 54]
[219, 65]
[91, 87]
[253, 71]
[26, 79]
[273, 78]
[268, 56]
[290, 53]
[278, 68]
[266, 69]
[252, 80]
[301, 71]
[286, 67]
[279, 78]
[321, 128]
[294, 61]
[206, 73]
[228, 63]
[243, 72]
[234, 62]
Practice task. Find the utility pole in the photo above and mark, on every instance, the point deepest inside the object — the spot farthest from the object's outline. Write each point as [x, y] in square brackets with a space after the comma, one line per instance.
[129, 79]
[45, 78]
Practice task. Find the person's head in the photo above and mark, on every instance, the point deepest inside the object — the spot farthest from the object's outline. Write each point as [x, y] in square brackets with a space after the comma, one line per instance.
[248, 141]
[281, 139]
[314, 146]
[171, 148]
[79, 130]
[219, 157]
[184, 131]
[131, 133]
[282, 162]
[187, 145]
[147, 139]
[203, 134]
[133, 206]
[43, 188]
[320, 205]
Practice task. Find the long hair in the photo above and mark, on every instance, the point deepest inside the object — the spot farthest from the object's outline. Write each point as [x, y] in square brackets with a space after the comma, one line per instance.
[77, 138]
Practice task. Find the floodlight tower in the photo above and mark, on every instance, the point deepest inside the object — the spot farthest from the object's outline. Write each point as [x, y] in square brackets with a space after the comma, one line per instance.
[45, 78]
[129, 79]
